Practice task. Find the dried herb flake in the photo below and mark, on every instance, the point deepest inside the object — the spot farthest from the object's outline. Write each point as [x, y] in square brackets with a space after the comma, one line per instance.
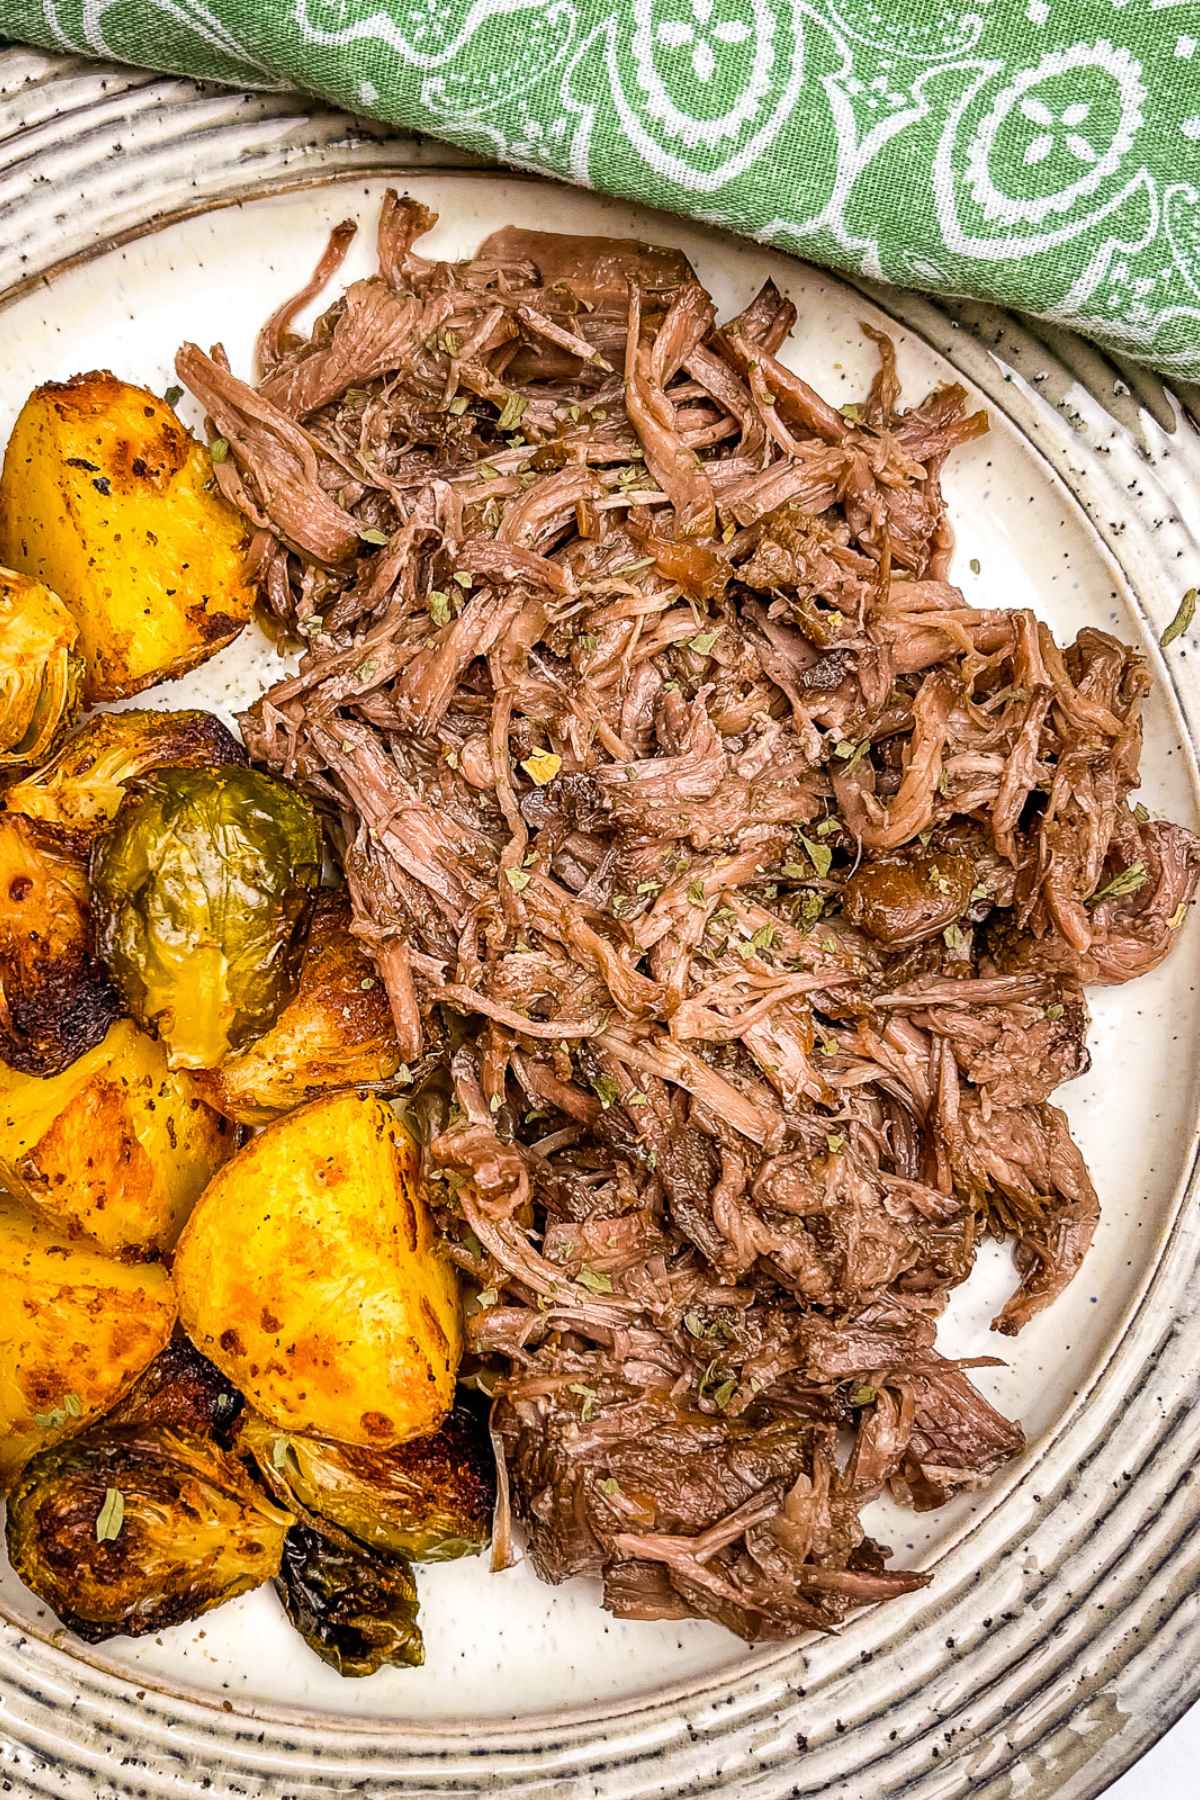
[819, 855]
[512, 412]
[542, 766]
[111, 1516]
[1127, 882]
[594, 1281]
[1183, 618]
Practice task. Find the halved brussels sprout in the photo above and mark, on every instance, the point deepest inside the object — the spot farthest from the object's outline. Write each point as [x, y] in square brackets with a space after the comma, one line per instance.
[336, 1033]
[55, 1000]
[81, 787]
[201, 896]
[357, 1611]
[128, 1530]
[41, 669]
[183, 1390]
[430, 1499]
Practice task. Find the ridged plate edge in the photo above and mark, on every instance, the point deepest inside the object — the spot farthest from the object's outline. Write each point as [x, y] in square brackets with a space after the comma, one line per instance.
[1100, 1552]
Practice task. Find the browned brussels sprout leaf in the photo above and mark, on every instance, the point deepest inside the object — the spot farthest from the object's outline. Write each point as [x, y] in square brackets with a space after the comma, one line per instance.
[83, 784]
[56, 1001]
[201, 897]
[356, 1609]
[41, 670]
[337, 1032]
[430, 1499]
[128, 1529]
[182, 1390]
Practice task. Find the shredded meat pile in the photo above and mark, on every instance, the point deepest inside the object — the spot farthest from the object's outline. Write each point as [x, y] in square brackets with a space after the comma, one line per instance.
[734, 883]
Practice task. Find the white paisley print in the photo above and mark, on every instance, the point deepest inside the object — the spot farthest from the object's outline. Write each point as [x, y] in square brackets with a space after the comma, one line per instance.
[1042, 153]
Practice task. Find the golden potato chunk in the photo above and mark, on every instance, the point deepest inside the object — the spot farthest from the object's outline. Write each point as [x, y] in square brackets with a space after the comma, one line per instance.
[308, 1273]
[81, 787]
[76, 1330]
[56, 1001]
[116, 1147]
[109, 500]
[336, 1033]
[41, 670]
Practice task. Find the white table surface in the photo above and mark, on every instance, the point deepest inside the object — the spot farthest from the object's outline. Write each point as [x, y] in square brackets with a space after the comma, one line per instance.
[1171, 1771]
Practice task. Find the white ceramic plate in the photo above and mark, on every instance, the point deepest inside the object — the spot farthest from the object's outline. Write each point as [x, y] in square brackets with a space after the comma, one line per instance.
[1007, 1663]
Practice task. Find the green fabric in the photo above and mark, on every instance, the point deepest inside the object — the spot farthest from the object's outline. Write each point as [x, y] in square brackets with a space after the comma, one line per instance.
[1041, 153]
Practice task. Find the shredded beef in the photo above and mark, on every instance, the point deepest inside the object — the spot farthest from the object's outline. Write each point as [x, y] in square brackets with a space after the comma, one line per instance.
[737, 881]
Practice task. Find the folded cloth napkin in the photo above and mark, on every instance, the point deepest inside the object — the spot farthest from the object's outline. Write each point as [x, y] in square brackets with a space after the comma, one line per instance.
[1040, 153]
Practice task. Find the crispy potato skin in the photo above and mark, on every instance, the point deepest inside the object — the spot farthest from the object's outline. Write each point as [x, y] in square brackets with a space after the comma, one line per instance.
[76, 1330]
[336, 1033]
[41, 670]
[308, 1273]
[56, 1001]
[107, 498]
[116, 1147]
[79, 790]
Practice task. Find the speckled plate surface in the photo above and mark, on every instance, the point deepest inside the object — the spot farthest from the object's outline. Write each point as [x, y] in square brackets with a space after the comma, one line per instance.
[1060, 1634]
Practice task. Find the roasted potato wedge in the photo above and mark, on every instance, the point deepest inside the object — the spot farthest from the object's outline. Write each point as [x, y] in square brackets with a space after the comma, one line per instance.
[109, 500]
[430, 1499]
[79, 790]
[76, 1330]
[308, 1273]
[116, 1147]
[337, 1032]
[202, 892]
[41, 670]
[129, 1529]
[56, 1000]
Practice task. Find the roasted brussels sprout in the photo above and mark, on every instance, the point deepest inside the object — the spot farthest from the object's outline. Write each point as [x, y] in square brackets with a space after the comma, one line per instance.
[201, 896]
[183, 1390]
[109, 499]
[116, 1146]
[41, 670]
[55, 999]
[309, 1274]
[336, 1033]
[128, 1529]
[76, 1331]
[357, 1611]
[430, 1499]
[81, 787]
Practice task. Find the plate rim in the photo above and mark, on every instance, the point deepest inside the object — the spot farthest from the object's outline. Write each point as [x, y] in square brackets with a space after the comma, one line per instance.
[317, 161]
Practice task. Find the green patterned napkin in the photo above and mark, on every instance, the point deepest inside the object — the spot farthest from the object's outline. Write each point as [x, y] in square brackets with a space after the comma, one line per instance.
[1041, 153]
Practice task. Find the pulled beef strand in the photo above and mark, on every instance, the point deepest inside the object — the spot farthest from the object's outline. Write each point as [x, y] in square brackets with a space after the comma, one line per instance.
[740, 881]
